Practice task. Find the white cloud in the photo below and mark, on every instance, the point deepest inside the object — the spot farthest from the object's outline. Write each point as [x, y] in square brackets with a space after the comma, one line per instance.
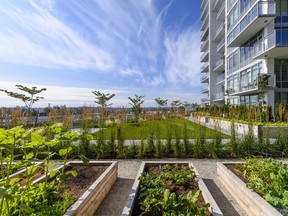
[44, 40]
[183, 57]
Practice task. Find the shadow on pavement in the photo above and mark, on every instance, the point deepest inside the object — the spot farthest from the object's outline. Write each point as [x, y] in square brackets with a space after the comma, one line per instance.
[223, 203]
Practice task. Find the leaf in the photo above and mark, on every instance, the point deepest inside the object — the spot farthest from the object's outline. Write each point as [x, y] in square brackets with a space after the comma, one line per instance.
[73, 173]
[14, 181]
[166, 195]
[37, 137]
[53, 173]
[61, 177]
[84, 159]
[26, 208]
[28, 156]
[63, 152]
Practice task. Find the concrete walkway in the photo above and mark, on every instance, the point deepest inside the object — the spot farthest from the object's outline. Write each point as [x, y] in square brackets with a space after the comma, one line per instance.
[127, 171]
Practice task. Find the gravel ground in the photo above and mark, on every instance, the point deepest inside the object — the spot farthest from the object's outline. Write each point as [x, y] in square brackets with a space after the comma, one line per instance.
[127, 171]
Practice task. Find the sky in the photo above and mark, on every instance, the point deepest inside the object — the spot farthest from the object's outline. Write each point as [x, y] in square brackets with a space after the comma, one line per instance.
[125, 47]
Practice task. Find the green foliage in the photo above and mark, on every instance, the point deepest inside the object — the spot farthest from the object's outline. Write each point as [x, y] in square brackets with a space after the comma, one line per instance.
[136, 104]
[155, 198]
[269, 178]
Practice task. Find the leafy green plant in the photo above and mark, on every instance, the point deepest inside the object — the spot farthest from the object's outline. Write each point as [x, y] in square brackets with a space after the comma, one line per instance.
[269, 178]
[156, 198]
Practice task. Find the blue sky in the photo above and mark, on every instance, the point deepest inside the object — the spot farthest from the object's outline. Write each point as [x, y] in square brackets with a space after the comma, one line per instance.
[126, 47]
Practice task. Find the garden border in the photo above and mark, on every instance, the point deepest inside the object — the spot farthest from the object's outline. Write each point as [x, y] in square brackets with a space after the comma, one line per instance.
[251, 202]
[214, 208]
[91, 199]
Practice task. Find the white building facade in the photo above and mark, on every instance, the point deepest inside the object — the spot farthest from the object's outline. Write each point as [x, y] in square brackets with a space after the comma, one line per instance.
[245, 51]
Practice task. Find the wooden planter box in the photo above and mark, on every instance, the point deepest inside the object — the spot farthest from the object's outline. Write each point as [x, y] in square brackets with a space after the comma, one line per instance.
[127, 211]
[251, 202]
[91, 199]
[37, 173]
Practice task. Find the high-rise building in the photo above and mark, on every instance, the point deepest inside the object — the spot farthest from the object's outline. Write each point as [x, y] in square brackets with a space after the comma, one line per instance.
[245, 51]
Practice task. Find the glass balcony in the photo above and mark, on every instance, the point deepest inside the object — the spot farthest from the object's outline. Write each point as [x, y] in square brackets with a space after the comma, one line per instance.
[221, 12]
[204, 45]
[218, 96]
[204, 11]
[230, 4]
[219, 65]
[205, 100]
[205, 33]
[204, 90]
[252, 85]
[274, 45]
[220, 46]
[205, 56]
[256, 19]
[219, 32]
[205, 67]
[220, 78]
[205, 22]
[217, 4]
[205, 79]
[203, 4]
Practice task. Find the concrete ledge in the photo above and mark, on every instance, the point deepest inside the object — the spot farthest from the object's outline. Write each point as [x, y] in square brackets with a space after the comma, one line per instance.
[127, 211]
[251, 202]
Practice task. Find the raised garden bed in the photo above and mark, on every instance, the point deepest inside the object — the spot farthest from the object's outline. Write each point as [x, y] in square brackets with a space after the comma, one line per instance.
[38, 172]
[90, 186]
[192, 183]
[251, 202]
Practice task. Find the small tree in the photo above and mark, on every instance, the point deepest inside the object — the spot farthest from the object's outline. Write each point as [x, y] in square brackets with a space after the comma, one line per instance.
[161, 103]
[136, 105]
[102, 99]
[29, 99]
[175, 104]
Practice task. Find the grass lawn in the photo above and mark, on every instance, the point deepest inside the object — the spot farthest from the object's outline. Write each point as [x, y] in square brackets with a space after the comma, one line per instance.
[162, 129]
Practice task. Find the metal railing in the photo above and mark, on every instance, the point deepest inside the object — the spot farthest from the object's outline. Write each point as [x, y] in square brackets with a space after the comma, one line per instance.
[204, 89]
[220, 78]
[204, 55]
[204, 43]
[273, 39]
[218, 63]
[204, 10]
[218, 96]
[230, 5]
[220, 11]
[204, 66]
[203, 78]
[260, 9]
[205, 21]
[220, 44]
[219, 29]
[204, 32]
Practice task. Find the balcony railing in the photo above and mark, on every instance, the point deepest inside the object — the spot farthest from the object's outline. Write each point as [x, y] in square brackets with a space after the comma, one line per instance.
[204, 78]
[204, 89]
[205, 21]
[204, 32]
[218, 63]
[204, 43]
[204, 11]
[242, 13]
[219, 29]
[204, 66]
[220, 44]
[230, 5]
[260, 9]
[204, 100]
[260, 81]
[220, 78]
[204, 55]
[220, 11]
[218, 96]
[274, 39]
[203, 3]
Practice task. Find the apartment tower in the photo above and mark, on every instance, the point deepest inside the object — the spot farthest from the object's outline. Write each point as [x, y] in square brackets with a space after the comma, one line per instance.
[245, 51]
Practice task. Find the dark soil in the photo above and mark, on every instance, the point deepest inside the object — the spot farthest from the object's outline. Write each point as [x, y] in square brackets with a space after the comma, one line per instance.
[178, 190]
[87, 175]
[237, 172]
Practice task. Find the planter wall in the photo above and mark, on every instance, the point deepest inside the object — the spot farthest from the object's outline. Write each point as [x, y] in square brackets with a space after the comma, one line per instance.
[127, 211]
[89, 202]
[241, 129]
[251, 202]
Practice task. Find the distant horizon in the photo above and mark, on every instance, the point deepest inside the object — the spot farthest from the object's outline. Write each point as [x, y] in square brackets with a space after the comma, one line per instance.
[72, 48]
